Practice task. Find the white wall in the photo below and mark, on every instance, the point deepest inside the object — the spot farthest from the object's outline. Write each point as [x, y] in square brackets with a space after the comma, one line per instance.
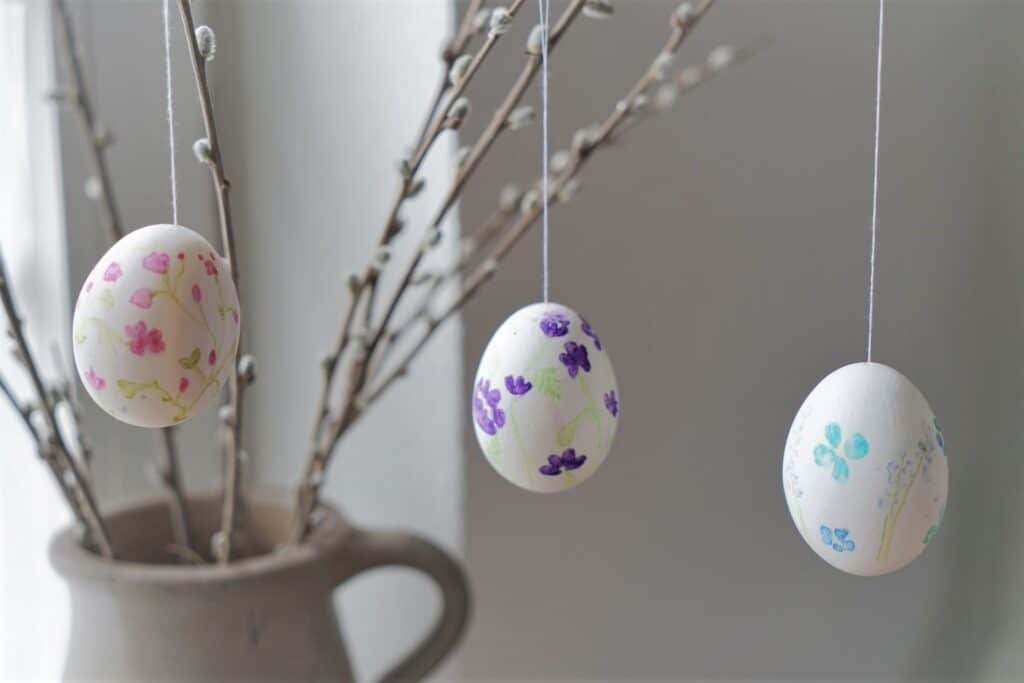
[315, 101]
[33, 600]
[722, 254]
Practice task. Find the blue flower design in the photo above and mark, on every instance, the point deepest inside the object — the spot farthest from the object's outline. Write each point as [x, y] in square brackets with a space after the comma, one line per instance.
[589, 331]
[575, 358]
[567, 461]
[554, 324]
[934, 528]
[611, 403]
[938, 435]
[826, 454]
[517, 386]
[838, 539]
[489, 417]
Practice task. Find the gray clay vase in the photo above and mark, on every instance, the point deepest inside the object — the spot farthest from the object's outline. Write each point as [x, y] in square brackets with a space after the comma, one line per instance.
[266, 618]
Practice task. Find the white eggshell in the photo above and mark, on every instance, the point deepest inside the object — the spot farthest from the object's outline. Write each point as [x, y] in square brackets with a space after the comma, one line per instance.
[545, 402]
[864, 471]
[156, 326]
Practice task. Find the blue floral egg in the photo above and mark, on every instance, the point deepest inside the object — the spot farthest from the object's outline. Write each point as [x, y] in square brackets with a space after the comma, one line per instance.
[545, 403]
[865, 471]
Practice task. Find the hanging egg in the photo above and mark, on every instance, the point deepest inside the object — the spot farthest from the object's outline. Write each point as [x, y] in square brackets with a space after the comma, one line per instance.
[156, 326]
[545, 401]
[864, 471]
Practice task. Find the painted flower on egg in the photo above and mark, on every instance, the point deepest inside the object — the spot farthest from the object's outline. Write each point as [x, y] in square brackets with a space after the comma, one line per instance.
[545, 402]
[865, 460]
[156, 327]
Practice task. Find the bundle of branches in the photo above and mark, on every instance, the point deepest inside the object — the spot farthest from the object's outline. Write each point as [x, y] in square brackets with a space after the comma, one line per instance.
[376, 345]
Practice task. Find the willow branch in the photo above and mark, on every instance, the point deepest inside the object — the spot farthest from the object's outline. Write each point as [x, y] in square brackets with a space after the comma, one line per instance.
[364, 288]
[452, 50]
[583, 150]
[435, 283]
[232, 415]
[329, 431]
[63, 392]
[472, 162]
[170, 478]
[96, 136]
[459, 87]
[24, 411]
[54, 448]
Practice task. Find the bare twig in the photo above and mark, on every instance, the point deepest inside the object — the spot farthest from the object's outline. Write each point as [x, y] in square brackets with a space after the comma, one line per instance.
[24, 411]
[478, 241]
[63, 392]
[329, 431]
[364, 288]
[582, 151]
[53, 447]
[97, 137]
[186, 555]
[455, 47]
[232, 414]
[170, 478]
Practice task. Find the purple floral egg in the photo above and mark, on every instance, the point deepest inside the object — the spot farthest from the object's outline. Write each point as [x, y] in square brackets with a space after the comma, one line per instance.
[545, 404]
[156, 327]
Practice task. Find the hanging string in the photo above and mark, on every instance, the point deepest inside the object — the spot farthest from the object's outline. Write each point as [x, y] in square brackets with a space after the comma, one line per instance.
[874, 191]
[545, 13]
[170, 111]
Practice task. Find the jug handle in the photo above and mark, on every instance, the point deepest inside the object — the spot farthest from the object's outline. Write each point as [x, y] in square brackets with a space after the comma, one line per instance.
[366, 550]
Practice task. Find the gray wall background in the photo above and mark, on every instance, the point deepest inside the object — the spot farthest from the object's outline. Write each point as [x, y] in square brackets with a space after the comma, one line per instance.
[722, 254]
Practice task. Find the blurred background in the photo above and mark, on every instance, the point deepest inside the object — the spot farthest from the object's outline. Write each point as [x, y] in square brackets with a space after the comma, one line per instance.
[721, 250]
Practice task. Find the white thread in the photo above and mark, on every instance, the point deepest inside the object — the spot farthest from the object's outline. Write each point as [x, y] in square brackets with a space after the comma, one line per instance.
[545, 14]
[874, 191]
[170, 111]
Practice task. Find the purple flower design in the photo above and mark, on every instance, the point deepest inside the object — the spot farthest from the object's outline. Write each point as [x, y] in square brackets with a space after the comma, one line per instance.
[589, 331]
[483, 420]
[490, 421]
[568, 460]
[554, 324]
[574, 358]
[611, 403]
[517, 386]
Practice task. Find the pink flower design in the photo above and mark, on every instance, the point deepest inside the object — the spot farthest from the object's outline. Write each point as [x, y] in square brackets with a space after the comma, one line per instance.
[113, 272]
[140, 339]
[97, 382]
[157, 262]
[182, 385]
[142, 297]
[234, 316]
[197, 294]
[211, 267]
[212, 358]
[181, 256]
[88, 286]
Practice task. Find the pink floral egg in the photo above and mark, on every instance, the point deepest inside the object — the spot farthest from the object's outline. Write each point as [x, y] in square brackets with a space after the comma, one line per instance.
[156, 327]
[545, 403]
